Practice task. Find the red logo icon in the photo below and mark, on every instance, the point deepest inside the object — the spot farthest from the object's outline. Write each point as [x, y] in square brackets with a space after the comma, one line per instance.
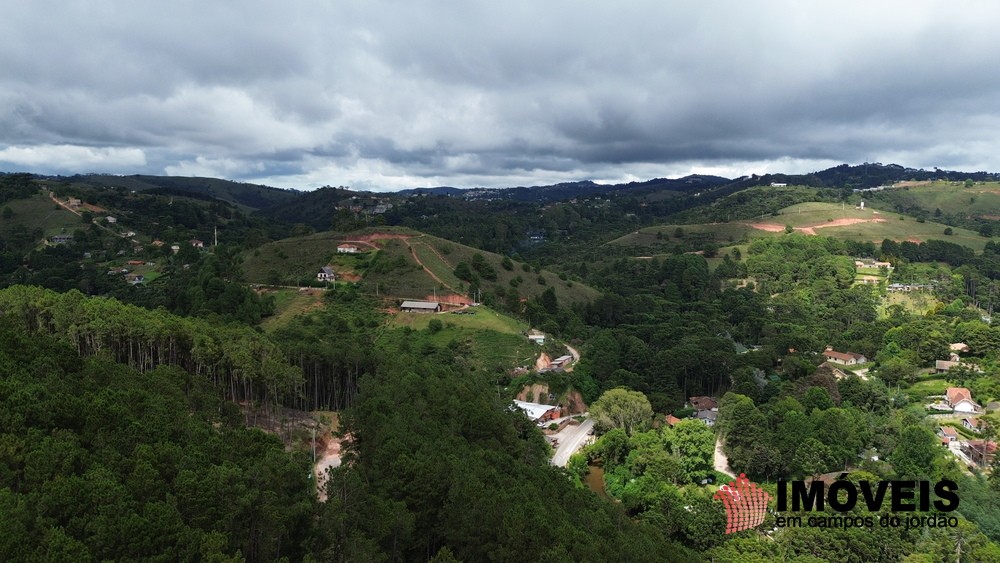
[745, 502]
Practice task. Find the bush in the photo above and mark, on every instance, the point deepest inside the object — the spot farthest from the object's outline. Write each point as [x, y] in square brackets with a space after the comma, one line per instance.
[435, 325]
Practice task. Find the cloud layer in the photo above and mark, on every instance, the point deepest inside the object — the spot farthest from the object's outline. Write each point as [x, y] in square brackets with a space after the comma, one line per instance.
[386, 95]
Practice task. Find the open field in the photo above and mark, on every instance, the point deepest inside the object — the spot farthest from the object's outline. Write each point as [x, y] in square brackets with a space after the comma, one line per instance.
[718, 233]
[918, 303]
[927, 387]
[490, 339]
[482, 319]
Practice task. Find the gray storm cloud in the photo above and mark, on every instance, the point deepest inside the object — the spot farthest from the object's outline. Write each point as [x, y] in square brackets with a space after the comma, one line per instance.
[385, 95]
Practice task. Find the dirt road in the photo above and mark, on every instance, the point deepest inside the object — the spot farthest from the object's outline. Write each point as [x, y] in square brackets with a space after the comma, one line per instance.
[721, 461]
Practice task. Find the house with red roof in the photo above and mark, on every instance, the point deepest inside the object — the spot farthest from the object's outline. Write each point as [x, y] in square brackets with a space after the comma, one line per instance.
[960, 400]
[843, 358]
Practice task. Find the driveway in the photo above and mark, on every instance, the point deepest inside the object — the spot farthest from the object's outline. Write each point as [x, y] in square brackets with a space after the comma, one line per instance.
[571, 439]
[721, 461]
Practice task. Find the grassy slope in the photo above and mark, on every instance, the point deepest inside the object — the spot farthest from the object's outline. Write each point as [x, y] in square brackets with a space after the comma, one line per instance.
[288, 303]
[39, 211]
[396, 271]
[982, 199]
[816, 215]
[492, 339]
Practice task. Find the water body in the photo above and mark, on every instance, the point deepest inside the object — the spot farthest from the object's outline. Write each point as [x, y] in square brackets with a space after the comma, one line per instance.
[594, 479]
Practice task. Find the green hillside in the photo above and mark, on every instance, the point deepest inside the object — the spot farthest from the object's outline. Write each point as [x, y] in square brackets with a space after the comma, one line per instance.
[39, 212]
[812, 218]
[403, 263]
[947, 199]
[484, 338]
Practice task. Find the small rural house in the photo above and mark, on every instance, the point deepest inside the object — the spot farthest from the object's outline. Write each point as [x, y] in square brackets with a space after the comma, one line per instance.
[843, 358]
[708, 417]
[960, 400]
[947, 433]
[972, 424]
[347, 249]
[326, 274]
[196, 243]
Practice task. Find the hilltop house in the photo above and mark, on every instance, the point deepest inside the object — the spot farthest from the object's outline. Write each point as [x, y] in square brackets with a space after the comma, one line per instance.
[960, 400]
[843, 358]
[326, 274]
[347, 249]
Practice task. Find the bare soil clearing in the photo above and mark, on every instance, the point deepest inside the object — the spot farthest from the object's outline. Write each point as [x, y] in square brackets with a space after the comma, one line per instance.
[811, 229]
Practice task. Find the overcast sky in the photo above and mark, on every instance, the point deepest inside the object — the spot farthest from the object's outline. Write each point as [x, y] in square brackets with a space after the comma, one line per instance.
[396, 94]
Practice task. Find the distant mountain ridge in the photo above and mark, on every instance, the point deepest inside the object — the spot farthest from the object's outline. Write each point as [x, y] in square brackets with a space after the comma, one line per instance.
[266, 198]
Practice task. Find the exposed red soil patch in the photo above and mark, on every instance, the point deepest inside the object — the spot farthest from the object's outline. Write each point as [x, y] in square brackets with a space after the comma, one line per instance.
[449, 299]
[346, 276]
[811, 230]
[769, 227]
[371, 239]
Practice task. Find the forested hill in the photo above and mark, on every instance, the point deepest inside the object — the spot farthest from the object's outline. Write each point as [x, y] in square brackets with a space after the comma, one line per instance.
[248, 196]
[128, 453]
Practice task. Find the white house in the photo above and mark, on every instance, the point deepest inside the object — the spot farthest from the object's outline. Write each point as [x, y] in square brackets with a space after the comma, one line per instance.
[960, 400]
[347, 249]
[843, 358]
[326, 274]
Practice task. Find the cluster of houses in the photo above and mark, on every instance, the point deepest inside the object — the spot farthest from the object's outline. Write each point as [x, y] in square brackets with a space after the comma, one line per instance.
[706, 410]
[369, 206]
[954, 360]
[979, 451]
[326, 273]
[908, 287]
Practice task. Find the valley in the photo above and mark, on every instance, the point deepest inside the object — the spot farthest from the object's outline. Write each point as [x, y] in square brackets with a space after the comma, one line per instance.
[699, 328]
